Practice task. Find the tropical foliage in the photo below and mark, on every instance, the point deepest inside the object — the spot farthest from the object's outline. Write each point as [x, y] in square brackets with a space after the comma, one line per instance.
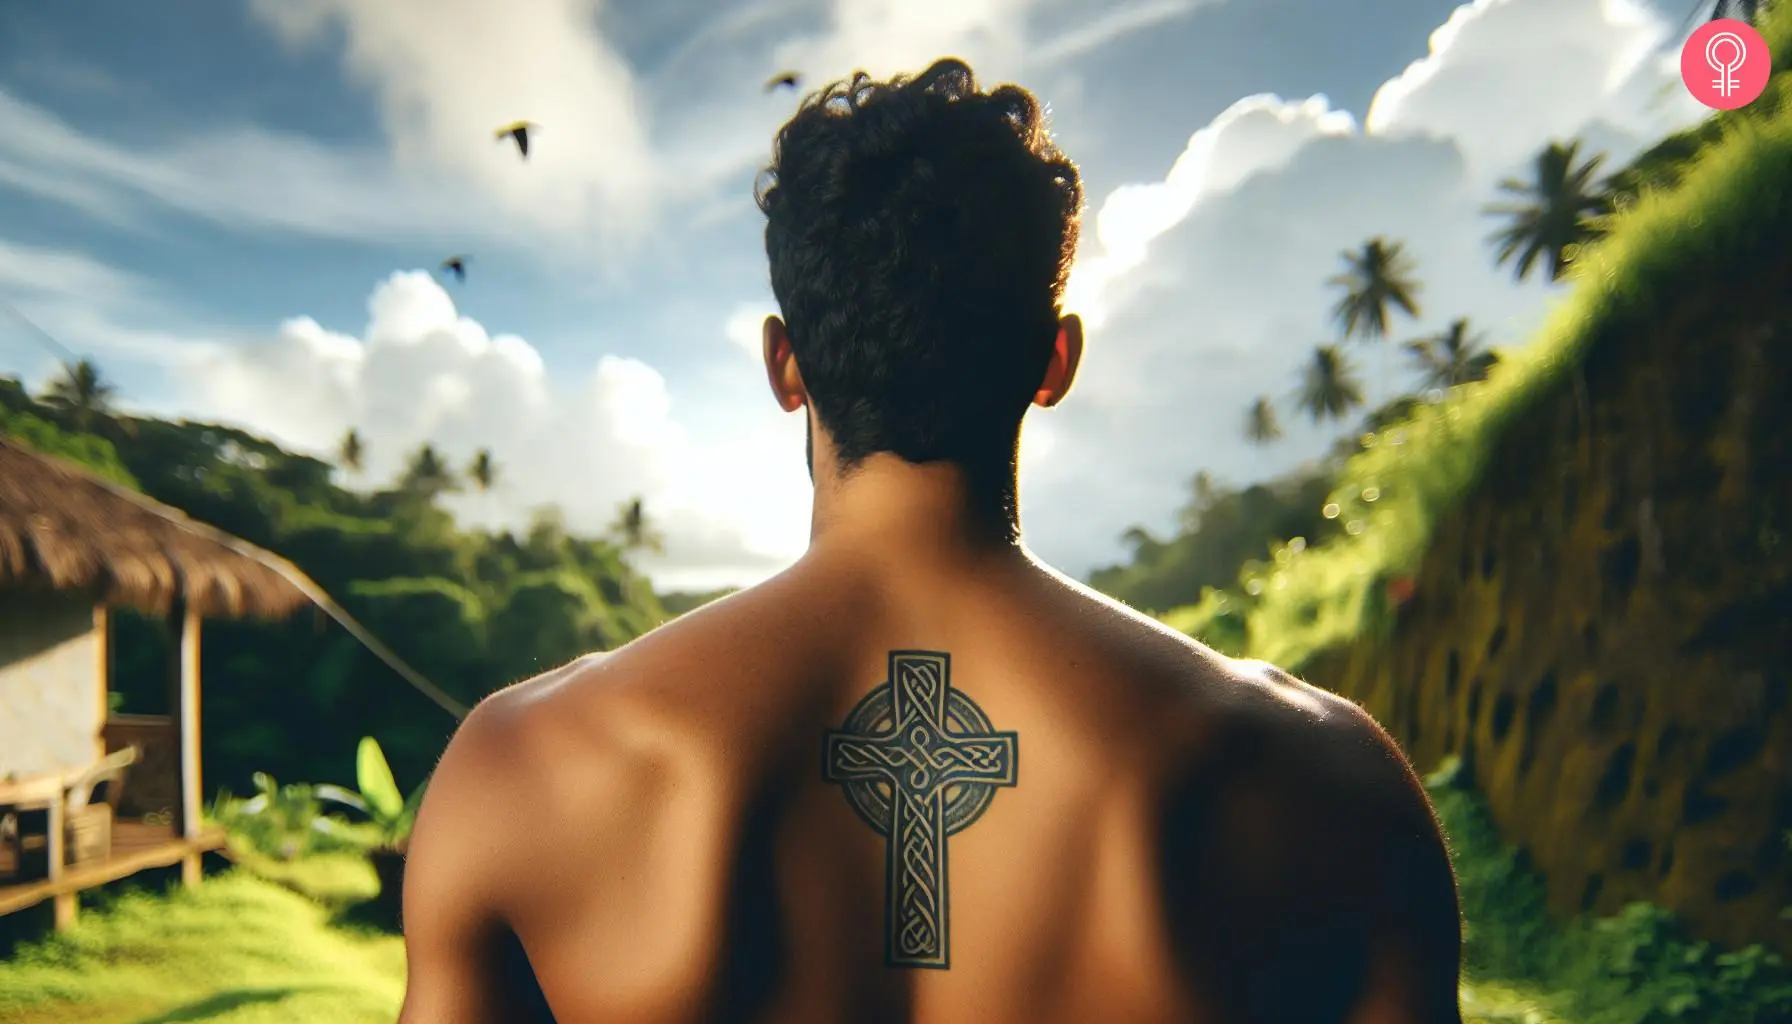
[1377, 280]
[1329, 388]
[280, 821]
[1552, 215]
[376, 796]
[80, 394]
[471, 610]
[1261, 425]
[1452, 358]
[1219, 530]
[351, 453]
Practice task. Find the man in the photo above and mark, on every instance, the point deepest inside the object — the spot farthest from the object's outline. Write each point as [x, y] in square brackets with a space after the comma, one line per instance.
[920, 776]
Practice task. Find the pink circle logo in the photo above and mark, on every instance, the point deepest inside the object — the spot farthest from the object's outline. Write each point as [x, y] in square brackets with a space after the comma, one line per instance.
[1725, 64]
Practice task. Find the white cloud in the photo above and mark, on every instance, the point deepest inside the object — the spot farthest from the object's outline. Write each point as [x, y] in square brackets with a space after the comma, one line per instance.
[1503, 74]
[1204, 288]
[619, 146]
[1208, 287]
[745, 327]
[55, 303]
[419, 372]
[36, 270]
[732, 502]
[447, 72]
[1109, 26]
[883, 37]
[97, 201]
[1260, 133]
[242, 177]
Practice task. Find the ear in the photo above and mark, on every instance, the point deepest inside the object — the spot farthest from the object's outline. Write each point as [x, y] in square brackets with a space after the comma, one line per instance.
[780, 367]
[1067, 354]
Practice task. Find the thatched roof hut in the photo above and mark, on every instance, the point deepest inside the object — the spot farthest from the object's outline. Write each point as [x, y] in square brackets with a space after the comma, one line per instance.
[66, 529]
[73, 546]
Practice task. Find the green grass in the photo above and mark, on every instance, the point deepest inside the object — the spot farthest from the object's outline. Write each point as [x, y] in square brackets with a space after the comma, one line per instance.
[1730, 202]
[238, 949]
[335, 879]
[1634, 968]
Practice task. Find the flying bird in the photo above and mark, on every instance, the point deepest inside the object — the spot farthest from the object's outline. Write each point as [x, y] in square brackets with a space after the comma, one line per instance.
[519, 131]
[456, 265]
[788, 79]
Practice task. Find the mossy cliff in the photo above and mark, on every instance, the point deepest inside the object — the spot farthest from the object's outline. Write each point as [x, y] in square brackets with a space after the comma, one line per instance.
[1603, 631]
[1600, 542]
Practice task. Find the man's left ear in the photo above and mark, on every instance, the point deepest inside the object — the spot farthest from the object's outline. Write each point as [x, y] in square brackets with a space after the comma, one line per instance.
[1067, 355]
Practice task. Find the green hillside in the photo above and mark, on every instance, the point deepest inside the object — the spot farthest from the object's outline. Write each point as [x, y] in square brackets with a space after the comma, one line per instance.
[473, 611]
[1479, 566]
[1711, 198]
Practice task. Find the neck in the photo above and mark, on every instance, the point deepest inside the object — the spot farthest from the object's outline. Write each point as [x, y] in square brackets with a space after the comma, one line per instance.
[923, 511]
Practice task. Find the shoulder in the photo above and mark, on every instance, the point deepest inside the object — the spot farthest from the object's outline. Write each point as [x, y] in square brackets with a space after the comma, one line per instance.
[1371, 847]
[532, 773]
[1305, 800]
[1326, 757]
[1333, 726]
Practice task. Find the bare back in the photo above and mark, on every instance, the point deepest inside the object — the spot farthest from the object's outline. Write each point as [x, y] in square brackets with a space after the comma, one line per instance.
[853, 794]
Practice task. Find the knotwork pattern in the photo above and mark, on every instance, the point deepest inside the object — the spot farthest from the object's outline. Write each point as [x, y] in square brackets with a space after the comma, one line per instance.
[919, 761]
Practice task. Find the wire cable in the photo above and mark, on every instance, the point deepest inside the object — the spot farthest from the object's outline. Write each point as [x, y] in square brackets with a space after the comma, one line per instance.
[316, 594]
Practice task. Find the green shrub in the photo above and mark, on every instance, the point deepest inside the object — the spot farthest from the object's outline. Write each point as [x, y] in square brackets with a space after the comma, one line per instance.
[388, 812]
[284, 822]
[88, 450]
[1633, 968]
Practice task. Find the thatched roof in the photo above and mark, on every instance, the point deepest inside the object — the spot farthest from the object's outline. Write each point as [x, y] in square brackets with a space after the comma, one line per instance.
[65, 528]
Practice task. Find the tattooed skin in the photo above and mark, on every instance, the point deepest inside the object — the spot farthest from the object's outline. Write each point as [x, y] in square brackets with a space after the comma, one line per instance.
[919, 761]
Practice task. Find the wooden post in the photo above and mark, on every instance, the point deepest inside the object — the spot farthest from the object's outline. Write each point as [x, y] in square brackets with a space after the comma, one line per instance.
[63, 904]
[185, 706]
[102, 641]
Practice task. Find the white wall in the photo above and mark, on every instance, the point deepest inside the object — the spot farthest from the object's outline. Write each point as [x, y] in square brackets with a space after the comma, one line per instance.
[52, 700]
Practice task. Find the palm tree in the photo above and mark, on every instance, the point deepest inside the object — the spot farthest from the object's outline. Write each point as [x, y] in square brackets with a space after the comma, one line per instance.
[1139, 541]
[1552, 214]
[1453, 357]
[1204, 490]
[482, 470]
[1377, 278]
[81, 393]
[351, 453]
[633, 530]
[426, 475]
[1329, 388]
[1260, 423]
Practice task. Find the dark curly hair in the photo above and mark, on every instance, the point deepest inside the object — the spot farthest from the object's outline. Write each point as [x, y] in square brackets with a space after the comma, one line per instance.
[920, 233]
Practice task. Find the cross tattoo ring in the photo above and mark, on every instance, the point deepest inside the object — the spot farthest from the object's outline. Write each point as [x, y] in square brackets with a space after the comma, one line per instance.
[919, 761]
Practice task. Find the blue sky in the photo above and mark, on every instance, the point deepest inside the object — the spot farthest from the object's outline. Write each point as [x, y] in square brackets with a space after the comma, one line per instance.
[236, 207]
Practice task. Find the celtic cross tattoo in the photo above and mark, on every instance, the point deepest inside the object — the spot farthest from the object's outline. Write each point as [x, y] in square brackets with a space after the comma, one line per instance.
[919, 761]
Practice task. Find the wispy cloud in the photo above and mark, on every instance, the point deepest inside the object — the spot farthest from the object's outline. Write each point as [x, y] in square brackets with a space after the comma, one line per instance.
[44, 271]
[242, 177]
[59, 72]
[57, 301]
[1208, 279]
[1111, 26]
[96, 200]
[619, 148]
